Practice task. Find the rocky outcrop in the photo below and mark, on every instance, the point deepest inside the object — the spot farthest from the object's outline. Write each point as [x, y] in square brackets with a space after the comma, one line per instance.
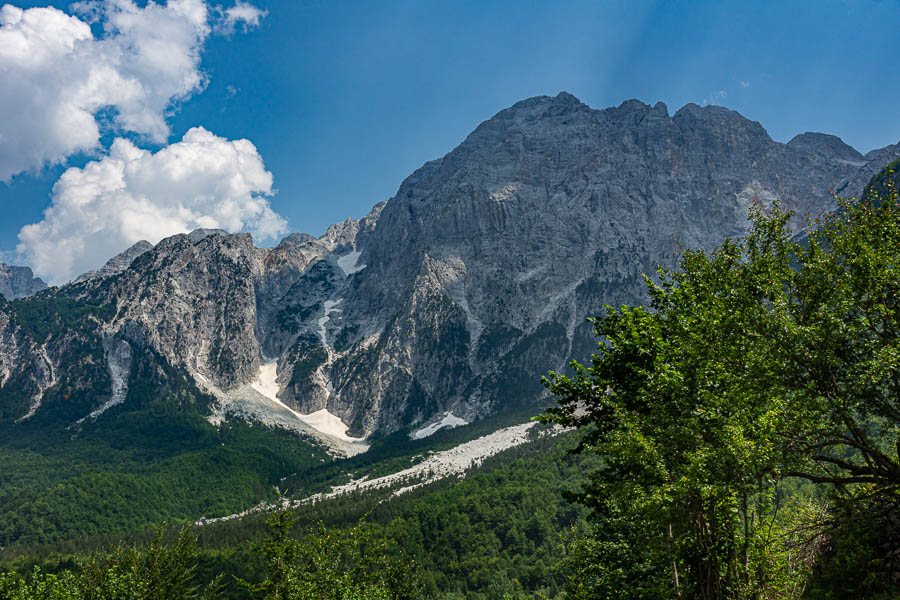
[455, 295]
[26, 371]
[192, 302]
[18, 282]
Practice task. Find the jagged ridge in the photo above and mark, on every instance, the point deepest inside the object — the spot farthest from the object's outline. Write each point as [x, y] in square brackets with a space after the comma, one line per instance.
[454, 295]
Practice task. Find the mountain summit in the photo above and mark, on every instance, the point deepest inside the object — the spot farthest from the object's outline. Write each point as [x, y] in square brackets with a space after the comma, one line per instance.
[18, 282]
[447, 302]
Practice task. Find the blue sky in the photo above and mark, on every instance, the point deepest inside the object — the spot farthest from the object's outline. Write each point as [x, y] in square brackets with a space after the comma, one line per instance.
[342, 100]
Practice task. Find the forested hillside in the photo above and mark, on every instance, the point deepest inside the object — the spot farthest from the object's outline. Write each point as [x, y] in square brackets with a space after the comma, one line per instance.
[500, 532]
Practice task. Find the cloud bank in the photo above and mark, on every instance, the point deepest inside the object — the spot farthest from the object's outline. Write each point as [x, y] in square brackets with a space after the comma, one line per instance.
[132, 194]
[62, 86]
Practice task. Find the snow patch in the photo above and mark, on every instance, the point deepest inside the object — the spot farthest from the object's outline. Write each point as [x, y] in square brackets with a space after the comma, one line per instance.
[266, 382]
[329, 424]
[450, 420]
[348, 263]
[329, 308]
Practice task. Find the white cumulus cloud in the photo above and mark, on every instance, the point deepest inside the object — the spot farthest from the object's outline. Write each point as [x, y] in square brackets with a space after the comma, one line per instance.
[62, 86]
[133, 194]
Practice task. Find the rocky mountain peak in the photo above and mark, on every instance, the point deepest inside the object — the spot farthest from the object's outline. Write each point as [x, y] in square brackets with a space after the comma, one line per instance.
[568, 99]
[659, 111]
[538, 104]
[455, 295]
[719, 122]
[202, 233]
[544, 213]
[297, 239]
[630, 112]
[827, 145]
[18, 282]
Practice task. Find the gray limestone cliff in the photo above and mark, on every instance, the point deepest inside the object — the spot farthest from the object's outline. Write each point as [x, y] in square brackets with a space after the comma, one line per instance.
[18, 282]
[457, 293]
[484, 266]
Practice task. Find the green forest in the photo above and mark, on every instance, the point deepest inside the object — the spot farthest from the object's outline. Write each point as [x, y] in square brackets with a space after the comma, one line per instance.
[502, 531]
[737, 438]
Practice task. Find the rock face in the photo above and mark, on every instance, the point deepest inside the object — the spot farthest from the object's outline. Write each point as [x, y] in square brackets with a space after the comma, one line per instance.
[483, 267]
[26, 371]
[18, 282]
[456, 294]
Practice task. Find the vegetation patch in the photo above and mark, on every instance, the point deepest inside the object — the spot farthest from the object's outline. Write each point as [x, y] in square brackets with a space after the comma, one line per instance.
[43, 316]
[307, 355]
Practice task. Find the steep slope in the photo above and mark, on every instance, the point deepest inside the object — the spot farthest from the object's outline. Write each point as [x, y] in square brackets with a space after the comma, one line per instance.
[483, 267]
[446, 303]
[199, 310]
[885, 182]
[875, 161]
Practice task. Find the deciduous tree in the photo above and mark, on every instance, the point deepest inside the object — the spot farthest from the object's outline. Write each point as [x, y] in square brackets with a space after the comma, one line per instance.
[763, 361]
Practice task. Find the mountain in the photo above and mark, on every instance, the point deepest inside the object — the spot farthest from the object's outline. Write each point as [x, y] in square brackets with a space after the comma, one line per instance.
[445, 304]
[18, 282]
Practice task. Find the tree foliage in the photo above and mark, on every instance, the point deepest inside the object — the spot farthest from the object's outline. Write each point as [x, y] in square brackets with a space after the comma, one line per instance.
[161, 571]
[759, 364]
[334, 564]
